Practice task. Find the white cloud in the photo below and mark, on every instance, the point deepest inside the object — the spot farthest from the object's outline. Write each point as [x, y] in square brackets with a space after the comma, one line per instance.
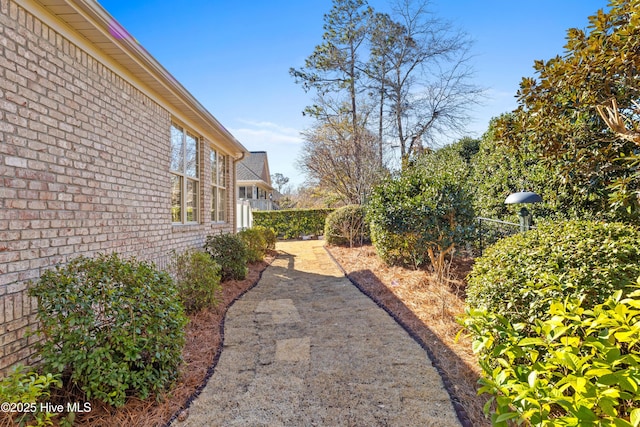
[254, 134]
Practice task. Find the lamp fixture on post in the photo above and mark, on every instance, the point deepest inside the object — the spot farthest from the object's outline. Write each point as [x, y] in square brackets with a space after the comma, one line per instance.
[523, 197]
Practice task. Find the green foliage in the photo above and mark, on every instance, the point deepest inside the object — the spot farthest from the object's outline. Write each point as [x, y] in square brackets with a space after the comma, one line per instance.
[113, 327]
[420, 216]
[557, 111]
[258, 240]
[591, 259]
[293, 223]
[197, 278]
[24, 391]
[255, 243]
[268, 235]
[347, 226]
[465, 148]
[499, 170]
[579, 366]
[230, 253]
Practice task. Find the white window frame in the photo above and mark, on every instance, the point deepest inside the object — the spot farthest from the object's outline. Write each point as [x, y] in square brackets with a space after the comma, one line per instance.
[219, 186]
[185, 169]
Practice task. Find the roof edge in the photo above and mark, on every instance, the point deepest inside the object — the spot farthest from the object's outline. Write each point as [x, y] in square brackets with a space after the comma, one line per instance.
[169, 89]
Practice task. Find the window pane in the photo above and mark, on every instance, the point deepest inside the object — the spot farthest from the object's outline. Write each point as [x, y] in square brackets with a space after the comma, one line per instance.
[192, 156]
[222, 205]
[176, 200]
[192, 200]
[177, 149]
[221, 170]
[214, 167]
[214, 204]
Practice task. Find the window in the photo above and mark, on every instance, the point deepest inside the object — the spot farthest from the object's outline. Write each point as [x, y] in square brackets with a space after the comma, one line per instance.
[184, 176]
[218, 186]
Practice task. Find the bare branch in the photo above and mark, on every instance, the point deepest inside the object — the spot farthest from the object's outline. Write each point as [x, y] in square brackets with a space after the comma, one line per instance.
[618, 122]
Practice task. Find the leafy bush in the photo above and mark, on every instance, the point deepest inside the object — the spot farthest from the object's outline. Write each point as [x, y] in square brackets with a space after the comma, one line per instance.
[255, 242]
[259, 240]
[27, 390]
[230, 252]
[346, 226]
[580, 366]
[499, 170]
[197, 279]
[293, 223]
[269, 236]
[590, 259]
[111, 326]
[421, 215]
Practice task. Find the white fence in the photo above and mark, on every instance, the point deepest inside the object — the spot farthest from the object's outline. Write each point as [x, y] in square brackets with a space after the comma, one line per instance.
[261, 204]
[244, 215]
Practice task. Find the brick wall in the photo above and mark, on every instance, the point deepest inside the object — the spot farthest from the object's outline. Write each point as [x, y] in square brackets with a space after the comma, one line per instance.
[84, 168]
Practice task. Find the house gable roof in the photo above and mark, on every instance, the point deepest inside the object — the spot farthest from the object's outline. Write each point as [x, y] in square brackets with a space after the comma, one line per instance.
[104, 33]
[254, 168]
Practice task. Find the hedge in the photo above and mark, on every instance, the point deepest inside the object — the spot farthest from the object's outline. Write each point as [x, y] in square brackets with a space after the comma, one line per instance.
[293, 223]
[591, 259]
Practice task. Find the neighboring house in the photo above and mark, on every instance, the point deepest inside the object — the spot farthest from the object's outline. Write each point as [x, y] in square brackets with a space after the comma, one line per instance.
[254, 182]
[101, 150]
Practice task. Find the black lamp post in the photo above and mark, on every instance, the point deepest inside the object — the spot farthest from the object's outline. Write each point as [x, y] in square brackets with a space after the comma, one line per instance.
[523, 197]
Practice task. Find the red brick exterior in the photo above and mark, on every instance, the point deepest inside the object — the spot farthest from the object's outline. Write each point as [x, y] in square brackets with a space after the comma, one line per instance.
[84, 168]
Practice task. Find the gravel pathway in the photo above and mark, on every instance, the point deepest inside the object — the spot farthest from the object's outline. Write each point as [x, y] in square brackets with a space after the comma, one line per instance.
[307, 348]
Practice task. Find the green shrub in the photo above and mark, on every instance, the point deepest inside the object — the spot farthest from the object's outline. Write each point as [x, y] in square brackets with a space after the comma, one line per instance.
[112, 327]
[590, 259]
[269, 236]
[419, 217]
[197, 278]
[293, 223]
[397, 248]
[347, 226]
[24, 391]
[230, 252]
[579, 367]
[259, 240]
[255, 242]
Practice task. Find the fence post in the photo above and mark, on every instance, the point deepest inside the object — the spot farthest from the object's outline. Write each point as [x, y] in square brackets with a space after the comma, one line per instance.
[514, 228]
[480, 234]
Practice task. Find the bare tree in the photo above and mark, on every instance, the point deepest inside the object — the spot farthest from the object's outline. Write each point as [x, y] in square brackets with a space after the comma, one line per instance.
[280, 181]
[332, 161]
[334, 72]
[423, 73]
[406, 74]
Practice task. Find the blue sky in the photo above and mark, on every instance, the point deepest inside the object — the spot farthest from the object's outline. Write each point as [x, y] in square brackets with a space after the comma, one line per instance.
[234, 56]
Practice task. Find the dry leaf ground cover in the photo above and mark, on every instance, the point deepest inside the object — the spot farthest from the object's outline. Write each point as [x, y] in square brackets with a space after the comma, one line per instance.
[429, 311]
